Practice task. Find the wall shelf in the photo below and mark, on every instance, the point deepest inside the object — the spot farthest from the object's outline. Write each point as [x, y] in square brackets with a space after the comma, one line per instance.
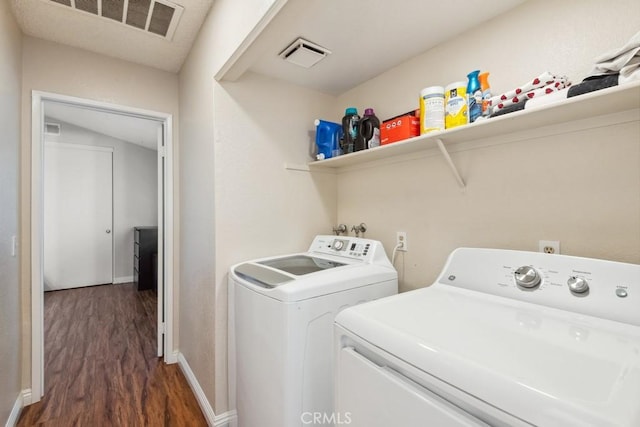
[603, 102]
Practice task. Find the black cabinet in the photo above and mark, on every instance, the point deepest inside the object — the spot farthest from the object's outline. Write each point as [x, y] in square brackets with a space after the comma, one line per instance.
[145, 251]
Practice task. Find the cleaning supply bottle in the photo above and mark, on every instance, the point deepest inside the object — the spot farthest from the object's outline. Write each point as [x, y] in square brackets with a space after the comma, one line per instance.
[350, 123]
[369, 135]
[328, 135]
[431, 109]
[455, 105]
[474, 96]
[486, 94]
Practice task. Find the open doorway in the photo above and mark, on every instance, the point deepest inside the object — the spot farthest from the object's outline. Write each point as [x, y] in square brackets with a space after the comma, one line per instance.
[115, 232]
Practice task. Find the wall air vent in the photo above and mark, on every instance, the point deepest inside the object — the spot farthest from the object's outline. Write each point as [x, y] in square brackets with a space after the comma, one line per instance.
[52, 129]
[304, 53]
[159, 17]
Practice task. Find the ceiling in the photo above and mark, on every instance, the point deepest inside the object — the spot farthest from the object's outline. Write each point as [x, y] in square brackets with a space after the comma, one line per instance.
[365, 37]
[135, 130]
[50, 20]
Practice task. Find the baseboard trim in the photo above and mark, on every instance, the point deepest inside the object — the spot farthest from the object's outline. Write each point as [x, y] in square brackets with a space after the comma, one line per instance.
[14, 416]
[27, 399]
[120, 280]
[171, 358]
[224, 419]
[228, 418]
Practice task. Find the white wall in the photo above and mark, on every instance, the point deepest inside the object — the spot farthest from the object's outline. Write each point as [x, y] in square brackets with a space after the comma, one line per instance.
[237, 200]
[563, 38]
[262, 209]
[229, 23]
[581, 187]
[51, 67]
[135, 189]
[236, 138]
[10, 78]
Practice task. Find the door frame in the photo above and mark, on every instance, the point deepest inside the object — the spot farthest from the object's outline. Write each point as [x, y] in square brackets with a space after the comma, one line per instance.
[38, 98]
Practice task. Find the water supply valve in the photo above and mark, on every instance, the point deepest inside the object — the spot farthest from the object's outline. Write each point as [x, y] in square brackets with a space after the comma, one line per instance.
[340, 229]
[359, 229]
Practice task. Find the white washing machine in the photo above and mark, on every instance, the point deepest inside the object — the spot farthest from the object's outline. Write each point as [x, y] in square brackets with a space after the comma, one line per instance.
[281, 314]
[503, 338]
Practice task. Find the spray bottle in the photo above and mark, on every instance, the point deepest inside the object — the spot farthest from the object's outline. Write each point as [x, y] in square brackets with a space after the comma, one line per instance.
[474, 96]
[486, 94]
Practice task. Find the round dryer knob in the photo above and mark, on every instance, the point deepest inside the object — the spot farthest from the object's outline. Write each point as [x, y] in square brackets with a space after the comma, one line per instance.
[527, 277]
[577, 285]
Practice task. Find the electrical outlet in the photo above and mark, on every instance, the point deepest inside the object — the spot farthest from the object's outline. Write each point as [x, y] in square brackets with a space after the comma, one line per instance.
[549, 246]
[401, 241]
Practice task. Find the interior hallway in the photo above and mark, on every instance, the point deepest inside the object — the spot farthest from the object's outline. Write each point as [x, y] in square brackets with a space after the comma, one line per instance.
[101, 367]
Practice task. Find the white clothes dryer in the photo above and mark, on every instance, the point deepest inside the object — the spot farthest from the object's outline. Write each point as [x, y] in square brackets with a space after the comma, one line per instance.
[281, 315]
[502, 338]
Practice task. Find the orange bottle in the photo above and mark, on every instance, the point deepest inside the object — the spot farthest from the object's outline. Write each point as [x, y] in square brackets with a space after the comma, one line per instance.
[486, 93]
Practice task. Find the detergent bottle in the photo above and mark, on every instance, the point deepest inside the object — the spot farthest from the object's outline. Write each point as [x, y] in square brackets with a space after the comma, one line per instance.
[350, 124]
[328, 135]
[369, 130]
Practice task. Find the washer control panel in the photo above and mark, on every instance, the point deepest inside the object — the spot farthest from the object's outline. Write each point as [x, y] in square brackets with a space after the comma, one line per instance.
[345, 246]
[590, 286]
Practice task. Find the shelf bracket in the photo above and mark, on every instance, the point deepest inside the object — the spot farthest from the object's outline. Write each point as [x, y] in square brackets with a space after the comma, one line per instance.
[453, 168]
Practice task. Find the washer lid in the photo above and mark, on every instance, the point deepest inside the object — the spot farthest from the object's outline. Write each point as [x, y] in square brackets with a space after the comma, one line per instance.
[543, 365]
[262, 276]
[301, 264]
[274, 272]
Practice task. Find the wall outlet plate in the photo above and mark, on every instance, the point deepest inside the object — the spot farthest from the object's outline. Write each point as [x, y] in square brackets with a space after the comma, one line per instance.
[401, 238]
[549, 246]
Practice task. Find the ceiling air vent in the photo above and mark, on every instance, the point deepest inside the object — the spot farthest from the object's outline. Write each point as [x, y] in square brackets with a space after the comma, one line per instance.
[52, 128]
[304, 53]
[158, 17]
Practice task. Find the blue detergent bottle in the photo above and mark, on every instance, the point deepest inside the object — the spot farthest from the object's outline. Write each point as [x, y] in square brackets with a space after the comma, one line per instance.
[328, 135]
[474, 96]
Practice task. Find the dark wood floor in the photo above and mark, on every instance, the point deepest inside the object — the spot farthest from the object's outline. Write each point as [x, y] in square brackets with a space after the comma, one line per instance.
[101, 367]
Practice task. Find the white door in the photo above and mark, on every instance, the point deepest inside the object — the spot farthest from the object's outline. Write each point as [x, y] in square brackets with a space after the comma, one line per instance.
[78, 216]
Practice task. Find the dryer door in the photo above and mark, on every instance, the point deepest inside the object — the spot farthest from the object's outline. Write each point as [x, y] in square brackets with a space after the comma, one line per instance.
[369, 395]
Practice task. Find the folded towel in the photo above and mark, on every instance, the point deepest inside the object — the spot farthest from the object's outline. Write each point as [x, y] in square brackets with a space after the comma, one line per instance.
[631, 71]
[542, 80]
[544, 84]
[624, 61]
[593, 83]
[548, 99]
[510, 109]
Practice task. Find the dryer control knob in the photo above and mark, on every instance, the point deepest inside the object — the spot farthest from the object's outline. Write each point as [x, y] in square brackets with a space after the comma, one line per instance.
[577, 285]
[527, 277]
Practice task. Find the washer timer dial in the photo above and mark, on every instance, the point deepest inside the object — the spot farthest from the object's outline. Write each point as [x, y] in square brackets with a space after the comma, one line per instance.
[527, 277]
[338, 245]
